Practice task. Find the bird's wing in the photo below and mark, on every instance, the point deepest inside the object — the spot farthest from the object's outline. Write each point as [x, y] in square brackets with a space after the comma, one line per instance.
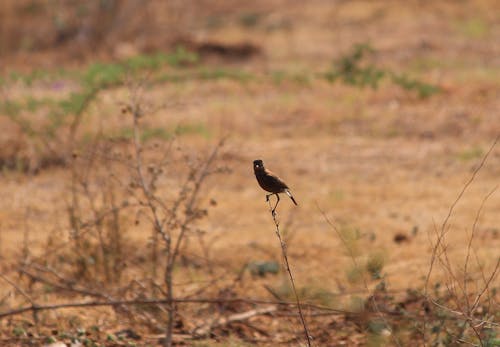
[277, 179]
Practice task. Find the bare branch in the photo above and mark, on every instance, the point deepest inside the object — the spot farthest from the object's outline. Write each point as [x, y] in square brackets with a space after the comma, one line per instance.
[290, 275]
[205, 329]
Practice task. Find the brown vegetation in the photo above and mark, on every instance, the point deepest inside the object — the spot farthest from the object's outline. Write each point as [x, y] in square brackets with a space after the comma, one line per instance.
[130, 214]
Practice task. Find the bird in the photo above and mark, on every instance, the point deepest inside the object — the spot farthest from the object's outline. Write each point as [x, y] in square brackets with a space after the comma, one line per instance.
[270, 182]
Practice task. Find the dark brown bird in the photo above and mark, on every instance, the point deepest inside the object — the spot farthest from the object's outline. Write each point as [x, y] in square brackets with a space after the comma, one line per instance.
[270, 182]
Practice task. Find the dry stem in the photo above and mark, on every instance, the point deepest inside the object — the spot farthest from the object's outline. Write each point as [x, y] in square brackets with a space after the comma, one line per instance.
[290, 275]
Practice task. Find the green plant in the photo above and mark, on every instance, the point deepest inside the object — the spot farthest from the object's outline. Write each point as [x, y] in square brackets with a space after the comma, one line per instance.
[351, 237]
[18, 331]
[472, 153]
[354, 274]
[357, 304]
[353, 69]
[56, 136]
[475, 28]
[349, 68]
[423, 89]
[250, 19]
[375, 264]
[224, 73]
[187, 129]
[319, 295]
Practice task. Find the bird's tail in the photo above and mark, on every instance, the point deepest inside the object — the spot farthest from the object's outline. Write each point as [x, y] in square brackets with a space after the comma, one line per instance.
[291, 196]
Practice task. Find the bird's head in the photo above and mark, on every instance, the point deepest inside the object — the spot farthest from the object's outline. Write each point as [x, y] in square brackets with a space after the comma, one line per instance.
[258, 165]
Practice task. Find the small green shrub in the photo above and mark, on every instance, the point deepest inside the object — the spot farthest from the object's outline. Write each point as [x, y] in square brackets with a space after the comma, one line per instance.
[249, 20]
[354, 274]
[353, 69]
[470, 154]
[375, 264]
[182, 56]
[350, 70]
[197, 128]
[475, 28]
[223, 73]
[423, 89]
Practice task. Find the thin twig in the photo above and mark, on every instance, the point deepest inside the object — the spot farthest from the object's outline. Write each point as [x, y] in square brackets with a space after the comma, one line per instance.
[450, 212]
[469, 248]
[204, 172]
[323, 310]
[205, 328]
[157, 301]
[439, 250]
[158, 226]
[33, 305]
[493, 275]
[290, 275]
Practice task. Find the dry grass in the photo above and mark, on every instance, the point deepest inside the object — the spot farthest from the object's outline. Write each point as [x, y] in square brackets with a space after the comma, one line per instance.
[380, 163]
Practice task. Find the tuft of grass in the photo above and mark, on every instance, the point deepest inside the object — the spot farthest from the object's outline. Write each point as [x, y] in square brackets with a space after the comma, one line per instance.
[310, 293]
[376, 326]
[155, 133]
[214, 22]
[182, 57]
[194, 128]
[351, 237]
[150, 133]
[350, 70]
[475, 28]
[33, 104]
[337, 195]
[423, 64]
[147, 134]
[424, 90]
[376, 339]
[76, 102]
[353, 69]
[179, 57]
[11, 108]
[278, 76]
[144, 61]
[357, 304]
[250, 19]
[469, 154]
[374, 265]
[18, 331]
[320, 296]
[493, 342]
[262, 268]
[222, 73]
[354, 274]
[104, 75]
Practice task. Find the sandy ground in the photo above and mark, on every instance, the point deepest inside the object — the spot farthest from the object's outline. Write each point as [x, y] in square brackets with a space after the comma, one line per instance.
[379, 163]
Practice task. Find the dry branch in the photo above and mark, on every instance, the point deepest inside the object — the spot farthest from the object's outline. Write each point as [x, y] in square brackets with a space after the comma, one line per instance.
[289, 271]
[440, 253]
[205, 329]
[156, 301]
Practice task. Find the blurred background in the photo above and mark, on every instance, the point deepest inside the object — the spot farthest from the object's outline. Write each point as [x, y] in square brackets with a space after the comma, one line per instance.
[128, 134]
[65, 32]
